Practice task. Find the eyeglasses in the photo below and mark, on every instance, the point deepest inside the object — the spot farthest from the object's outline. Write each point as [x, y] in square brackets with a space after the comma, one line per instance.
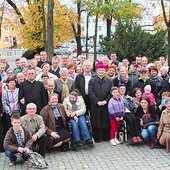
[31, 108]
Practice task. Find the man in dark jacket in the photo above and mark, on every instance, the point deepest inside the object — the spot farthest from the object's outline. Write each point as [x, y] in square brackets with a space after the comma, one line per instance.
[32, 91]
[82, 82]
[144, 80]
[43, 59]
[99, 94]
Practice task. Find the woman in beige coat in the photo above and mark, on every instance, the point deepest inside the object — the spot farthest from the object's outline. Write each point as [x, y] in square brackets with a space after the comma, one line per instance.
[164, 127]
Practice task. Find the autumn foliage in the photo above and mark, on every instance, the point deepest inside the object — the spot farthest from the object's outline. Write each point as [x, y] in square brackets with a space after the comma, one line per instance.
[30, 34]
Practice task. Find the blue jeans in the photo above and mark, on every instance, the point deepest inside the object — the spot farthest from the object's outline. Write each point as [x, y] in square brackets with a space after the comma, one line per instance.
[83, 128]
[12, 157]
[149, 133]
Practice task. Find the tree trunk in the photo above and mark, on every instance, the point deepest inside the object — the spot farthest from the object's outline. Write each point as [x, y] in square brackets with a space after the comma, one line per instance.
[50, 30]
[168, 46]
[167, 22]
[109, 24]
[78, 36]
[95, 37]
[87, 34]
[44, 26]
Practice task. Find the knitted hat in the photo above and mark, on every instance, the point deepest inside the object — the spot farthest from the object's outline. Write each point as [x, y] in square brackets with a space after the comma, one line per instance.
[100, 64]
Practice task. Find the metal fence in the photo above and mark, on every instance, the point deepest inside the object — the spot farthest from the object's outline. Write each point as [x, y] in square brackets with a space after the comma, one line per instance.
[12, 52]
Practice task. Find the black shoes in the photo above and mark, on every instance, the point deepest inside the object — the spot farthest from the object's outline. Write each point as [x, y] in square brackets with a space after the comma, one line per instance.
[89, 142]
[64, 147]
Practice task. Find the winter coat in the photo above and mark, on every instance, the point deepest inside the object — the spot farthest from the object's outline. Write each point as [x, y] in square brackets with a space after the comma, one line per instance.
[116, 108]
[10, 141]
[81, 107]
[128, 85]
[49, 121]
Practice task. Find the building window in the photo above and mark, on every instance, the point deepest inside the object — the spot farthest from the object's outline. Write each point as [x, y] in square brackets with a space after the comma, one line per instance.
[94, 20]
[6, 28]
[6, 39]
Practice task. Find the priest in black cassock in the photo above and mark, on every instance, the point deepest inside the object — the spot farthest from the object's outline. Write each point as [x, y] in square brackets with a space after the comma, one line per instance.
[99, 94]
[32, 91]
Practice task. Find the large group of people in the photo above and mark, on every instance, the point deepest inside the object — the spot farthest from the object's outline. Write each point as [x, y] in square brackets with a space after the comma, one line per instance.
[44, 104]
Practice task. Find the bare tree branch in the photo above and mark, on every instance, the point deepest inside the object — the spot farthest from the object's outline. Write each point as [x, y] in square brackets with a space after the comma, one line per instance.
[150, 25]
[13, 5]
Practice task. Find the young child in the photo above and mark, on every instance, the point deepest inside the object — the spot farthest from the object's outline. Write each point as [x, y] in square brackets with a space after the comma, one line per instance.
[147, 93]
[17, 140]
[116, 111]
[164, 97]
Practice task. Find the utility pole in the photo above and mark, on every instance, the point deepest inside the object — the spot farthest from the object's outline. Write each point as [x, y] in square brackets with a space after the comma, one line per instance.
[50, 30]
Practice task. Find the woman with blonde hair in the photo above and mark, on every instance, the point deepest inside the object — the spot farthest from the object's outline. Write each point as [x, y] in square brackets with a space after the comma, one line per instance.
[123, 78]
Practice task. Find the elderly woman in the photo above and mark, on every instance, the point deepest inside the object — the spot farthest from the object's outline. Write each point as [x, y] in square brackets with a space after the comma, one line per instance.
[75, 109]
[123, 78]
[45, 69]
[54, 117]
[64, 84]
[146, 115]
[164, 127]
[99, 94]
[165, 82]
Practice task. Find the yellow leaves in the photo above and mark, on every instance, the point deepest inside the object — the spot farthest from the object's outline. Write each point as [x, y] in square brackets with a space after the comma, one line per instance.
[30, 35]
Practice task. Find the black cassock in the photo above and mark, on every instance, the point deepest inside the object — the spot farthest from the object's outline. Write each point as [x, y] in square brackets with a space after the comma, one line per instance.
[99, 90]
[33, 92]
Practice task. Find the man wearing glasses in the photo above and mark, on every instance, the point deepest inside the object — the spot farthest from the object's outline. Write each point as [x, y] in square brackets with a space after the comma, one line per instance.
[36, 126]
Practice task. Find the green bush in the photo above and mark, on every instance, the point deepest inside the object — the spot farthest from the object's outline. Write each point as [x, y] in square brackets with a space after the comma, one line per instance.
[129, 41]
[29, 54]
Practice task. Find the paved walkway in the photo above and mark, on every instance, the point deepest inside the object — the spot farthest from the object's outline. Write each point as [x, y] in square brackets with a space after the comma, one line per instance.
[103, 156]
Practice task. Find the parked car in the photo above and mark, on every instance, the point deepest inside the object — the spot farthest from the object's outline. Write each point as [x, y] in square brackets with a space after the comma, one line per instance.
[84, 49]
[62, 50]
[99, 50]
[72, 49]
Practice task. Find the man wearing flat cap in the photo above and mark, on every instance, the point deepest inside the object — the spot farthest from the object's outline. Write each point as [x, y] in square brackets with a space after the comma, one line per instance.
[99, 94]
[144, 80]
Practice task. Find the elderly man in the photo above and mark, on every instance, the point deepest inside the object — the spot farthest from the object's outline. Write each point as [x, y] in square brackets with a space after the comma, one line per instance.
[99, 94]
[82, 82]
[166, 79]
[4, 61]
[36, 126]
